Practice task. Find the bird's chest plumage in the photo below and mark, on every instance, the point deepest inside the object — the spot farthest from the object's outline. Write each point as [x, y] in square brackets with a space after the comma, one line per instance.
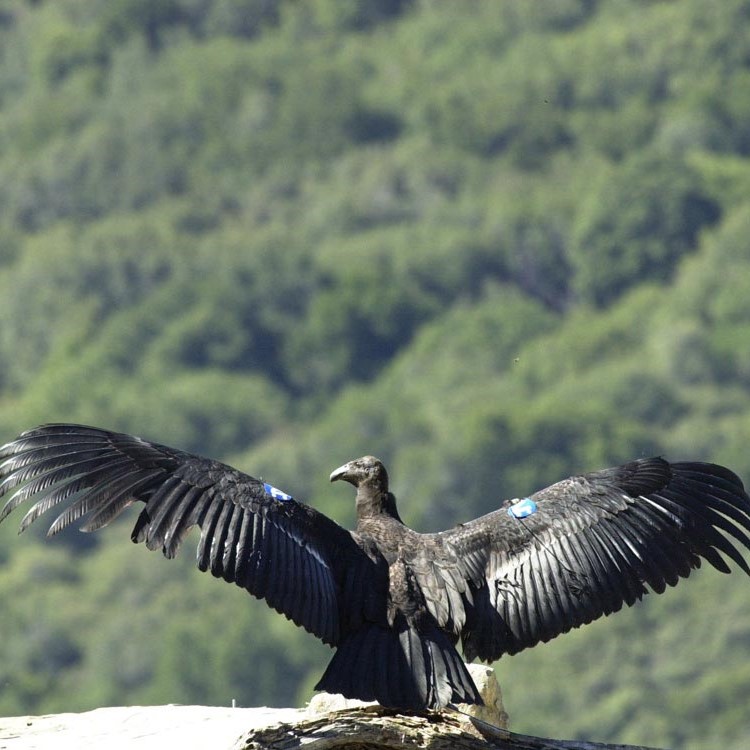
[387, 535]
[392, 540]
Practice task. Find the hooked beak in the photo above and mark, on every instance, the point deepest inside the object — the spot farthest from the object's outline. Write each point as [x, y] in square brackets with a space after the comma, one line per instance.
[339, 473]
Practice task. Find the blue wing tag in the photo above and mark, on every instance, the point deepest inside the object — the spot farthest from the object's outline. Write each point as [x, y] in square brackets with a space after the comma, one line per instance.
[523, 508]
[276, 494]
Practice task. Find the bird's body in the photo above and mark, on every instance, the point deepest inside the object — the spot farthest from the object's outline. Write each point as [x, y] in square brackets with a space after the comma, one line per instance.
[393, 602]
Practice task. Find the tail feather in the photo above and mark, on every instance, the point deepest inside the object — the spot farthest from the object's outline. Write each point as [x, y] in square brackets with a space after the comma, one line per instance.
[400, 667]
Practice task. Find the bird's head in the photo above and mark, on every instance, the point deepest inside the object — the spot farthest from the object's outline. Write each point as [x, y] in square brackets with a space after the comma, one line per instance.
[370, 478]
[367, 470]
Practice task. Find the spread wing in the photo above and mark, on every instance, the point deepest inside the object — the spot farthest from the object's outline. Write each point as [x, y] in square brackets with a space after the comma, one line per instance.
[302, 563]
[587, 545]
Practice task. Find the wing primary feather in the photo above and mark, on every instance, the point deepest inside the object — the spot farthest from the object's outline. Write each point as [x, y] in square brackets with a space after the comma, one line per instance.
[313, 586]
[107, 502]
[305, 589]
[718, 499]
[120, 498]
[69, 480]
[184, 517]
[703, 523]
[253, 558]
[715, 475]
[275, 545]
[57, 494]
[23, 448]
[291, 599]
[261, 562]
[282, 561]
[710, 522]
[164, 502]
[228, 559]
[20, 467]
[207, 521]
[292, 596]
[218, 536]
[160, 507]
[242, 550]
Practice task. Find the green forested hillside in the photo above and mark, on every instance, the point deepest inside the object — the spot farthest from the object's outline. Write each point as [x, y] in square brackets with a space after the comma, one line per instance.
[493, 242]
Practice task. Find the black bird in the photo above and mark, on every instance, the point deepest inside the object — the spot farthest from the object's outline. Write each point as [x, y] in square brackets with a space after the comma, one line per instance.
[393, 602]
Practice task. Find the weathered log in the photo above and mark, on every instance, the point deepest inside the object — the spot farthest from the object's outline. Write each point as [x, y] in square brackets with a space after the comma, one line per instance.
[372, 727]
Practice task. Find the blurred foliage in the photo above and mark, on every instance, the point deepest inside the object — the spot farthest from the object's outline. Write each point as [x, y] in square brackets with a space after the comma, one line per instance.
[494, 243]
